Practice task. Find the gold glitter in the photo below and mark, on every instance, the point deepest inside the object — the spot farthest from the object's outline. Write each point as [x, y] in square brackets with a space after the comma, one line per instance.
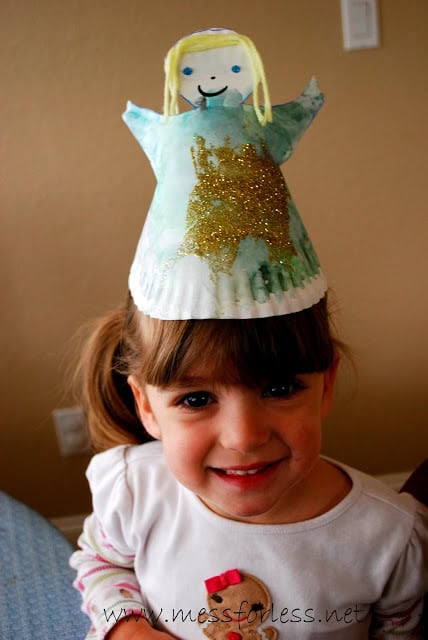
[239, 194]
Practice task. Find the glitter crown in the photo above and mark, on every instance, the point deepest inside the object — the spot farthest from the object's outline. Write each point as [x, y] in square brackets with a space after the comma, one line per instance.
[223, 237]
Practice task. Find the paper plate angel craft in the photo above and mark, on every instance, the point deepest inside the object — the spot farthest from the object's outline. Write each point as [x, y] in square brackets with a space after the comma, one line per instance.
[223, 237]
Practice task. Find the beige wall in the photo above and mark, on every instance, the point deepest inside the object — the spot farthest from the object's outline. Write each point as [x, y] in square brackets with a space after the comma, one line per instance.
[75, 188]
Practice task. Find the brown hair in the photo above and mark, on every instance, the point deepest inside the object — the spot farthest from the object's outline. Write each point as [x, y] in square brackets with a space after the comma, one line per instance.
[160, 352]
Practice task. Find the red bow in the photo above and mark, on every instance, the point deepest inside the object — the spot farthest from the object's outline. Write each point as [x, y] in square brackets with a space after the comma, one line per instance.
[217, 583]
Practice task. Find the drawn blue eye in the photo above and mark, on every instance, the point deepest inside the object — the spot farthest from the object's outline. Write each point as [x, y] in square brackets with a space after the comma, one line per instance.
[187, 71]
[236, 68]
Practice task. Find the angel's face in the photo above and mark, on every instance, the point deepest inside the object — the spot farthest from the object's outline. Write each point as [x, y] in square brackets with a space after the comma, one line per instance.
[206, 74]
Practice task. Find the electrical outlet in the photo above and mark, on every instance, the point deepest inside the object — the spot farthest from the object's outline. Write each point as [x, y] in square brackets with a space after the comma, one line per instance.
[71, 431]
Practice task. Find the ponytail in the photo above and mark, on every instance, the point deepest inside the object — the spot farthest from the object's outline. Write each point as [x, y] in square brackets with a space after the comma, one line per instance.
[105, 365]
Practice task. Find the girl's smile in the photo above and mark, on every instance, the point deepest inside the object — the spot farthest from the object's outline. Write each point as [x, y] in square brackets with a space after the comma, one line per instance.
[249, 454]
[247, 477]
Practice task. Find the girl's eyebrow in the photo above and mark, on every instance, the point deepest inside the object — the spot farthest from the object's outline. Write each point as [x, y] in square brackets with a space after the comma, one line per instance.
[189, 381]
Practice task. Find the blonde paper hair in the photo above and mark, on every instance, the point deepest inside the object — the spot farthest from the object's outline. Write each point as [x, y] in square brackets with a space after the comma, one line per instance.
[202, 41]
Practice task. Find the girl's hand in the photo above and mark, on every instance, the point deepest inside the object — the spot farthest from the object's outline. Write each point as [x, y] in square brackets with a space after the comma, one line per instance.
[136, 630]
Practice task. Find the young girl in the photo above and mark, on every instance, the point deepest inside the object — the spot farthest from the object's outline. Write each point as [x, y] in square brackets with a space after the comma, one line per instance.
[214, 513]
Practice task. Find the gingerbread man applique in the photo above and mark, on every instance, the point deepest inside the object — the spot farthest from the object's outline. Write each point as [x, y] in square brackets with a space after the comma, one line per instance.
[238, 605]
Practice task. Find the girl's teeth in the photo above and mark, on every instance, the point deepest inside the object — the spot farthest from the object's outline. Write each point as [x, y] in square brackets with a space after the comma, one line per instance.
[241, 472]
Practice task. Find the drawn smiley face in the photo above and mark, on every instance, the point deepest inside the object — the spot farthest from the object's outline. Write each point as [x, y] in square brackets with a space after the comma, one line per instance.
[211, 73]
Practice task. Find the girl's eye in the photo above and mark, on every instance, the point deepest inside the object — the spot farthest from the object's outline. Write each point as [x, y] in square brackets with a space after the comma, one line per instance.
[196, 400]
[283, 389]
[236, 68]
[187, 71]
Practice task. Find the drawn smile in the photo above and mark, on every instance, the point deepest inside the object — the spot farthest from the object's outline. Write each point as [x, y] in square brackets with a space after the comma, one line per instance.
[207, 94]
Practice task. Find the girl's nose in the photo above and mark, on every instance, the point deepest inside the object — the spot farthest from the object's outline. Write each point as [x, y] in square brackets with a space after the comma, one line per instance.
[244, 428]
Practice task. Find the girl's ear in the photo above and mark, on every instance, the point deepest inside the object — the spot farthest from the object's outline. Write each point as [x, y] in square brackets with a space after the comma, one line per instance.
[143, 408]
[329, 382]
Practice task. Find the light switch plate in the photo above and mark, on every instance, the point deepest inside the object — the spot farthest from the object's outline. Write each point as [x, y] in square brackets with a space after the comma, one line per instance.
[360, 24]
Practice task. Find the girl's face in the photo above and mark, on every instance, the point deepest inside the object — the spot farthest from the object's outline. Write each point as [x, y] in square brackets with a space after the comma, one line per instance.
[249, 454]
[215, 72]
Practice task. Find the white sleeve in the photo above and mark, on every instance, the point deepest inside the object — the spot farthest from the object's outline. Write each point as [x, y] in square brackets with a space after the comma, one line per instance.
[105, 561]
[399, 612]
